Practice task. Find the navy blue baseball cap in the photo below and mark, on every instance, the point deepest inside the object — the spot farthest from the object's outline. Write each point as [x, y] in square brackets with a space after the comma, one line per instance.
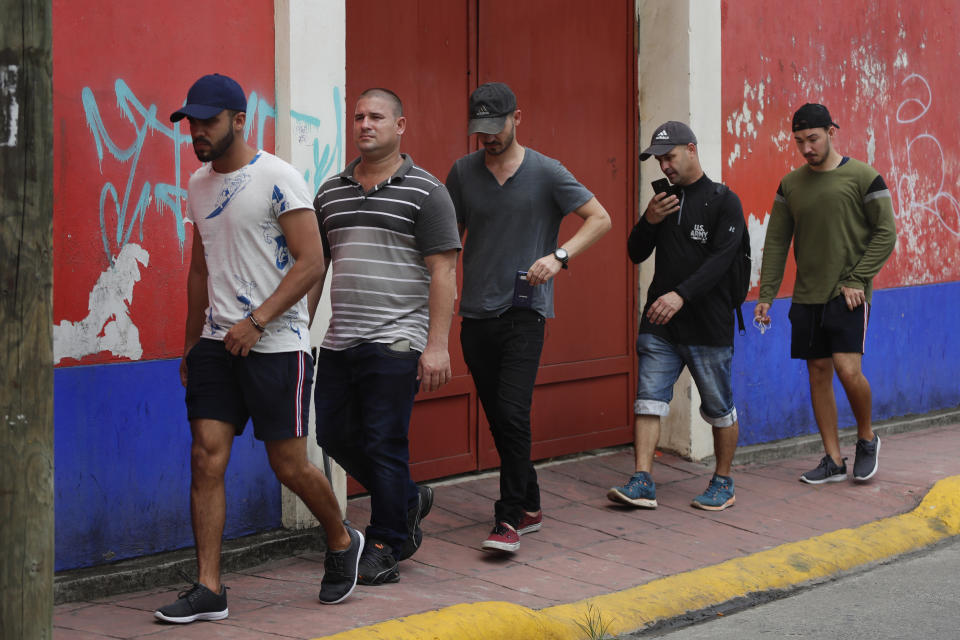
[209, 96]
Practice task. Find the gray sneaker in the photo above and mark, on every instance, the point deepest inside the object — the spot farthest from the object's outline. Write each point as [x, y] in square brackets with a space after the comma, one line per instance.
[826, 471]
[340, 570]
[867, 462]
[196, 603]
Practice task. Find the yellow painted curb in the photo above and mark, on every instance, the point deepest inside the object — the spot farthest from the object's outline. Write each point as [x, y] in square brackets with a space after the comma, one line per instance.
[795, 563]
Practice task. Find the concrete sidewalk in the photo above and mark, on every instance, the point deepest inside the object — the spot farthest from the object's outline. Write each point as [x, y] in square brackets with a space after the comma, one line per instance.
[627, 568]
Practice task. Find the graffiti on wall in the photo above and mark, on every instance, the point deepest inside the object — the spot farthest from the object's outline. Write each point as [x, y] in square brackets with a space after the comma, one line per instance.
[923, 194]
[151, 190]
[889, 86]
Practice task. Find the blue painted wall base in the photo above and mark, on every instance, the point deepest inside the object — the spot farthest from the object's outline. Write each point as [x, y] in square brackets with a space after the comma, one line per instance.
[912, 362]
[122, 466]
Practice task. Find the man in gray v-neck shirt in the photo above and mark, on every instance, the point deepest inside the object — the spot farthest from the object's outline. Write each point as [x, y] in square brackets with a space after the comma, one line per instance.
[510, 201]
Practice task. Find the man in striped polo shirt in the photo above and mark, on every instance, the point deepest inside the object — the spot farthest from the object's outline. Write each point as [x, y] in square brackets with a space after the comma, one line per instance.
[390, 229]
[839, 214]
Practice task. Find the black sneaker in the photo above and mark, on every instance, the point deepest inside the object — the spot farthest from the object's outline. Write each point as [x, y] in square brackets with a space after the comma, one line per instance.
[826, 471]
[867, 462]
[340, 570]
[196, 603]
[414, 516]
[377, 564]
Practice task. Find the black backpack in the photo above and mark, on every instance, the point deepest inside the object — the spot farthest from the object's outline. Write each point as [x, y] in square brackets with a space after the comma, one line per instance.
[739, 278]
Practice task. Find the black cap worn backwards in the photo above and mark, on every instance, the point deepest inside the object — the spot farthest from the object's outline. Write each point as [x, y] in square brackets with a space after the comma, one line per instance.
[813, 116]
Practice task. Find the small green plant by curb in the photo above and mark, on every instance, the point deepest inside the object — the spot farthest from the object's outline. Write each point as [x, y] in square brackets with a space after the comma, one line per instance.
[593, 625]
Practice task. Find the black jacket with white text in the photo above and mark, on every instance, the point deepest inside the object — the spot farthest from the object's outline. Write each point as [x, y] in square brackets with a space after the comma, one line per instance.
[695, 250]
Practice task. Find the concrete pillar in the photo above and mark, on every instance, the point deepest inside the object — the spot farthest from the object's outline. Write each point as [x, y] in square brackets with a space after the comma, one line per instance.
[679, 74]
[310, 134]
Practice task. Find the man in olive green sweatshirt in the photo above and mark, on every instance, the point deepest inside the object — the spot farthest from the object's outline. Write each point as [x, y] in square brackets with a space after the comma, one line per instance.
[839, 214]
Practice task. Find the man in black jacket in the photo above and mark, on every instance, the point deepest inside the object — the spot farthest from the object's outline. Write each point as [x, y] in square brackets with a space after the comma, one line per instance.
[696, 227]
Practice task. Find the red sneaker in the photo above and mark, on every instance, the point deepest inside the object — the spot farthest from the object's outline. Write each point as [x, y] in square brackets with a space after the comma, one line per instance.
[502, 538]
[530, 522]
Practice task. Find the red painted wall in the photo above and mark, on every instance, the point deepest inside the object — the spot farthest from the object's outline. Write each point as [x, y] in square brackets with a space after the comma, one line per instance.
[120, 69]
[884, 70]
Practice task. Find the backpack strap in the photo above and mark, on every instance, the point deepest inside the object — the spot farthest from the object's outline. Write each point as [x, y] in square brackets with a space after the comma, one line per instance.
[719, 191]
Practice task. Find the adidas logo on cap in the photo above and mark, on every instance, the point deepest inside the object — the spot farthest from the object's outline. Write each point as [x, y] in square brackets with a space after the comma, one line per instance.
[666, 136]
[481, 112]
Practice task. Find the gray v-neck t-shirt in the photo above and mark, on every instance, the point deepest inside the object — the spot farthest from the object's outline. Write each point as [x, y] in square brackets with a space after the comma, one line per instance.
[509, 227]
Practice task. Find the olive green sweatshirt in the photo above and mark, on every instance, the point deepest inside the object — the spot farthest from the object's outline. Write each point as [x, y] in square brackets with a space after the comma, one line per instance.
[842, 227]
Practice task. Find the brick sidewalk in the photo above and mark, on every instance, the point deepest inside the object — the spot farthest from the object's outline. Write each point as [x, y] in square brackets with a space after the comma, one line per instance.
[588, 545]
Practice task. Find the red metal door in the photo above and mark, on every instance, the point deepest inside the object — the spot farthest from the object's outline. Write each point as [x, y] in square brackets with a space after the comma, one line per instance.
[572, 65]
[420, 50]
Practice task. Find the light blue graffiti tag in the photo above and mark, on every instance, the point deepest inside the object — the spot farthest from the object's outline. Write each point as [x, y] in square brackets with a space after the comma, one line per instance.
[172, 195]
[331, 159]
[144, 120]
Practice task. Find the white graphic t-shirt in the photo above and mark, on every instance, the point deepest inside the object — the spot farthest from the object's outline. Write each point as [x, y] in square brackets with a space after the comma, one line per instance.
[246, 252]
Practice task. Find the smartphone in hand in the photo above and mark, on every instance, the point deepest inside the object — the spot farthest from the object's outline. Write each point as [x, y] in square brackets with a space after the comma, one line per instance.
[661, 186]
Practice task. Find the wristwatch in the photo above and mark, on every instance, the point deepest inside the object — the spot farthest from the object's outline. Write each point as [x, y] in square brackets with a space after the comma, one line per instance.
[561, 254]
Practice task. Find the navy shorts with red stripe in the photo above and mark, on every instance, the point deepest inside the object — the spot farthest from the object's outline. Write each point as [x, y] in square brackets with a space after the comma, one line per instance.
[272, 389]
[821, 330]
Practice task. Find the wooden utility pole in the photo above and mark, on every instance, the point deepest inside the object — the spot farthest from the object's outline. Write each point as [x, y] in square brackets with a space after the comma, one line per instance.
[26, 321]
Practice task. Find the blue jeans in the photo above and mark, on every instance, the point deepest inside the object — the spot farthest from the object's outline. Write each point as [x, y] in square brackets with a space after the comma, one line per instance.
[661, 363]
[503, 355]
[363, 398]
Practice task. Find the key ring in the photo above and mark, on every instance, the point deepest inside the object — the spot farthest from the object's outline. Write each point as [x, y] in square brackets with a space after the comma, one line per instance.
[762, 326]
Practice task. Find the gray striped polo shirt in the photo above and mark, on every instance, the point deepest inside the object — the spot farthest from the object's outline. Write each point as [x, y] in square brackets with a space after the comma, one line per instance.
[375, 243]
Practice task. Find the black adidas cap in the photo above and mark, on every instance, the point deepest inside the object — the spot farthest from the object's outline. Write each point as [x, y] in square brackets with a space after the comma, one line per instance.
[666, 137]
[490, 104]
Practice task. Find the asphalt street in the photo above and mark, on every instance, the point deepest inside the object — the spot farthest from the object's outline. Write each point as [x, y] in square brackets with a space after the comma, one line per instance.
[912, 598]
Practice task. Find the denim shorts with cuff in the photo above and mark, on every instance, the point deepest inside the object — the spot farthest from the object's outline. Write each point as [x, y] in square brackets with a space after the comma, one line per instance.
[661, 363]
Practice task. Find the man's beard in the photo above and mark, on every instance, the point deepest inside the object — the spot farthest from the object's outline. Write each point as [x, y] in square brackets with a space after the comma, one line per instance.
[216, 149]
[502, 147]
[818, 161]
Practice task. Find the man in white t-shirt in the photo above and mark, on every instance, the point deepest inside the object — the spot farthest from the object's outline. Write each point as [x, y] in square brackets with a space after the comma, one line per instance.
[256, 253]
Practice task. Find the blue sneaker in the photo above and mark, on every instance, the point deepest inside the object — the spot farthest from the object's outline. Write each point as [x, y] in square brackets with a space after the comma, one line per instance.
[640, 491]
[718, 496]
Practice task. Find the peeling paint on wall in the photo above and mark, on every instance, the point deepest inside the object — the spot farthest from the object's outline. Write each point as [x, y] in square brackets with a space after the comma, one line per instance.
[757, 228]
[744, 123]
[886, 72]
[107, 326]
